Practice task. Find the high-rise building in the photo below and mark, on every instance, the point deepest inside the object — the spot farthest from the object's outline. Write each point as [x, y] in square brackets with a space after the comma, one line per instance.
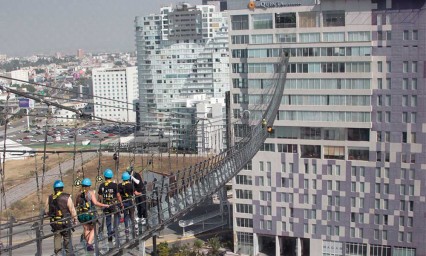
[182, 51]
[80, 53]
[222, 4]
[344, 171]
[117, 88]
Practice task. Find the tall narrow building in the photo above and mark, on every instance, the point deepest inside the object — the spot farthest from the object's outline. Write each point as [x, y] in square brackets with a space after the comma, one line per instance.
[344, 172]
[182, 51]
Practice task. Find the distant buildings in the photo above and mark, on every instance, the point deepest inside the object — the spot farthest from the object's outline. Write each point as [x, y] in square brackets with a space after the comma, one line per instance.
[80, 54]
[223, 4]
[66, 116]
[112, 88]
[21, 74]
[181, 51]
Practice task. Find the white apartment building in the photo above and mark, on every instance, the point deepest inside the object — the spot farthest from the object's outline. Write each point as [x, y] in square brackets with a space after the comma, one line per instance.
[20, 74]
[66, 116]
[344, 171]
[181, 51]
[115, 91]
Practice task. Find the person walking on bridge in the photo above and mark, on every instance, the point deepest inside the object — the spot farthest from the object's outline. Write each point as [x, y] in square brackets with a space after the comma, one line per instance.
[108, 194]
[60, 208]
[86, 203]
[127, 193]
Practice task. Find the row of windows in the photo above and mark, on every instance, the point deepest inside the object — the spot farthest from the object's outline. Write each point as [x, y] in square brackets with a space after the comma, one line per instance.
[305, 84]
[325, 67]
[288, 20]
[324, 100]
[407, 117]
[324, 116]
[302, 52]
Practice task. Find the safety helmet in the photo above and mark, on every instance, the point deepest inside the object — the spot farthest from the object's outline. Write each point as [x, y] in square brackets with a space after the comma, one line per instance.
[108, 173]
[86, 182]
[58, 184]
[125, 176]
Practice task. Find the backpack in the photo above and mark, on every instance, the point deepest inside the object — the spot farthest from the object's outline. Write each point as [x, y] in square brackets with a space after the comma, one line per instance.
[84, 209]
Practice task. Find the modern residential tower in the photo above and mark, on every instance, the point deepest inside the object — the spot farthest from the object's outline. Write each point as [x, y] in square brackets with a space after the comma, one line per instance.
[182, 51]
[344, 172]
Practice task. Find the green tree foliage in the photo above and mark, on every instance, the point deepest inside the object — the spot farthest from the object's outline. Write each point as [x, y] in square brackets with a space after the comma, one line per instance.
[198, 244]
[163, 249]
[214, 244]
[29, 87]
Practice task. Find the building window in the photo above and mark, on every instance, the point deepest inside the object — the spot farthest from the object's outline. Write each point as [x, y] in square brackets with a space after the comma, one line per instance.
[241, 39]
[308, 19]
[239, 22]
[243, 180]
[360, 36]
[405, 67]
[334, 152]
[358, 154]
[309, 37]
[333, 37]
[261, 39]
[406, 34]
[286, 38]
[262, 21]
[334, 18]
[285, 20]
[244, 222]
[415, 35]
[310, 151]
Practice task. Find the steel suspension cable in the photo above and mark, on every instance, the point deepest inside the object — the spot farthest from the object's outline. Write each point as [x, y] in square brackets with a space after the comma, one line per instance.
[46, 127]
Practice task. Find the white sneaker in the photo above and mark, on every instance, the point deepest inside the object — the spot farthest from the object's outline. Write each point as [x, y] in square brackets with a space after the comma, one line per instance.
[137, 219]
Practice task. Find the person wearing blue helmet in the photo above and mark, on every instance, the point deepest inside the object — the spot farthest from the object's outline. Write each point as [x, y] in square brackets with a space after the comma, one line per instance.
[86, 210]
[60, 208]
[108, 194]
[127, 191]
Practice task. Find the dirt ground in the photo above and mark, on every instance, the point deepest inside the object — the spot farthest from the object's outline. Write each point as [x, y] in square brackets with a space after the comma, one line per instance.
[30, 206]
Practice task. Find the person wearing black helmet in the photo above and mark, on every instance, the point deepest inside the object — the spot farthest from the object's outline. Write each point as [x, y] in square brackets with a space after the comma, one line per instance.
[60, 208]
[108, 194]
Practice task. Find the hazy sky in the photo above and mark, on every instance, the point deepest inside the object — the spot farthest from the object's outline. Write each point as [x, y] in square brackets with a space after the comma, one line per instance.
[47, 26]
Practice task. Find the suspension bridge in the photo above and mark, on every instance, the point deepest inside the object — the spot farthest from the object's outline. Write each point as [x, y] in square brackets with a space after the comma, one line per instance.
[168, 198]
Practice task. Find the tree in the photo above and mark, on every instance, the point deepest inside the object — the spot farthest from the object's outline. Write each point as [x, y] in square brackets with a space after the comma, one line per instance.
[163, 249]
[214, 244]
[198, 244]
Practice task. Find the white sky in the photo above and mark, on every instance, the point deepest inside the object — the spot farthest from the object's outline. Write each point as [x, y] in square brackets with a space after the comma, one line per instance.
[47, 26]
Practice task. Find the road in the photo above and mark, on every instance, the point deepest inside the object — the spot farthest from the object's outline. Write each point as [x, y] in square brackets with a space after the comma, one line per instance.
[24, 189]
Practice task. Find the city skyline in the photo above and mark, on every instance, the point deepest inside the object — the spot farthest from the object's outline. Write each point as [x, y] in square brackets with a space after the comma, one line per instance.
[65, 27]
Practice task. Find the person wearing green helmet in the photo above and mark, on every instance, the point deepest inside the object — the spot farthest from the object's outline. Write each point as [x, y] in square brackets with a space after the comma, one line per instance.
[108, 194]
[60, 208]
[86, 203]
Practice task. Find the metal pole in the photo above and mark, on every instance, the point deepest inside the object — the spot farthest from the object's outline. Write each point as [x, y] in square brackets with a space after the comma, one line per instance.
[28, 120]
[154, 245]
[96, 242]
[11, 220]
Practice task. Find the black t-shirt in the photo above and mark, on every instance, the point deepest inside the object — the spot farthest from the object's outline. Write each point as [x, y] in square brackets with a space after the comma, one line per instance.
[108, 191]
[138, 187]
[126, 190]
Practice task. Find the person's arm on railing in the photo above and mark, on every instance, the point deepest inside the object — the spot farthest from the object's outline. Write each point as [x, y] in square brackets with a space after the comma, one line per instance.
[95, 200]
